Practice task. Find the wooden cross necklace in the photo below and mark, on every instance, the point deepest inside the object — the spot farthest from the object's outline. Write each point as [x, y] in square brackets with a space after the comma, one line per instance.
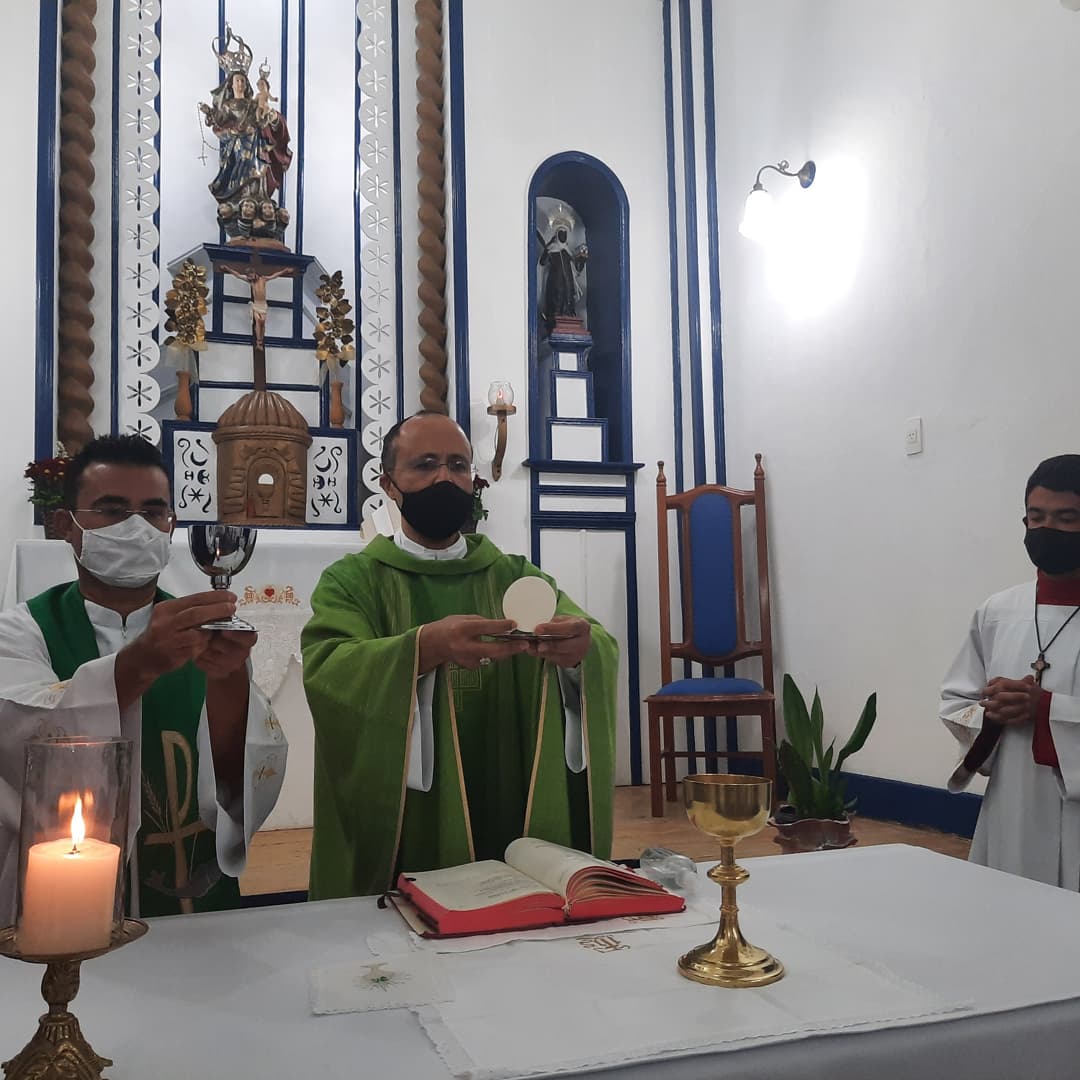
[1041, 663]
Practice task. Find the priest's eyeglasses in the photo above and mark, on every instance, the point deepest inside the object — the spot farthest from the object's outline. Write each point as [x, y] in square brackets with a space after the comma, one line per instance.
[158, 516]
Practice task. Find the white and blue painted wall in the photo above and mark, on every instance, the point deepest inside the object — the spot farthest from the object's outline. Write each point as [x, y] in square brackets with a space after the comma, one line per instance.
[946, 145]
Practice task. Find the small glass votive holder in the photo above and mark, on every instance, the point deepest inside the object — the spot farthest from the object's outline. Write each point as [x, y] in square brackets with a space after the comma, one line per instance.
[73, 841]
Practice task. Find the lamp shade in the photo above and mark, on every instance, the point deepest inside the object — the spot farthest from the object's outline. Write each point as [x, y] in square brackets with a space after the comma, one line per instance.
[500, 393]
[758, 215]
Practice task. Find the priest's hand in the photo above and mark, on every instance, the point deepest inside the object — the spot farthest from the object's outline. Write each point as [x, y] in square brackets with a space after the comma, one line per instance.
[574, 638]
[1011, 701]
[227, 652]
[458, 639]
[170, 641]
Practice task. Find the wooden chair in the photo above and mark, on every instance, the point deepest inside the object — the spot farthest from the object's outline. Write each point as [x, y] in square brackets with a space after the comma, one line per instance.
[714, 608]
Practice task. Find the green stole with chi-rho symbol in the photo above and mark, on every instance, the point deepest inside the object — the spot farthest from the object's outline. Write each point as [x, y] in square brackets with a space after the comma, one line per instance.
[176, 853]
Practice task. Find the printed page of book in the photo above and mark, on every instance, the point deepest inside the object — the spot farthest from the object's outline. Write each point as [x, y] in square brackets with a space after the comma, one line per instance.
[478, 885]
[553, 865]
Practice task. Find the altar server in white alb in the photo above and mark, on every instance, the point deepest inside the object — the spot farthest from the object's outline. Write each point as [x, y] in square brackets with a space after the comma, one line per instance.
[112, 655]
[1012, 697]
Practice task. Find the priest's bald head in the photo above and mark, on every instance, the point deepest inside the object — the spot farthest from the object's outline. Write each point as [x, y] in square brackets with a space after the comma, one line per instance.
[427, 471]
[1052, 516]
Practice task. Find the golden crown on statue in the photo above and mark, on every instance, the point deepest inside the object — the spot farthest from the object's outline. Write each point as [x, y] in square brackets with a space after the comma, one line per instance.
[237, 62]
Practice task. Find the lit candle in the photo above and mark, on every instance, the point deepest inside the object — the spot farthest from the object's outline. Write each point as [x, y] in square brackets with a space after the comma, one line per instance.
[69, 894]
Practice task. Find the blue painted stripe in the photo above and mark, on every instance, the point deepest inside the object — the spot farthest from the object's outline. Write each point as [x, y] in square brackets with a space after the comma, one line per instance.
[686, 49]
[459, 218]
[358, 272]
[301, 70]
[715, 308]
[157, 184]
[399, 303]
[673, 234]
[283, 90]
[221, 34]
[45, 296]
[114, 210]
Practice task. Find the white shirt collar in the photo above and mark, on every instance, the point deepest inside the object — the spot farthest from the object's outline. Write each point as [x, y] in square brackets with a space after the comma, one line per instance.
[107, 619]
[457, 550]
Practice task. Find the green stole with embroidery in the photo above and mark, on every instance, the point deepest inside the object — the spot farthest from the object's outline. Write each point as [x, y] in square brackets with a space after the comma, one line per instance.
[176, 853]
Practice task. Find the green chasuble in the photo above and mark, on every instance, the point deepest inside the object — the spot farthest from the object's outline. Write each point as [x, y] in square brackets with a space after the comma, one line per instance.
[500, 762]
[176, 853]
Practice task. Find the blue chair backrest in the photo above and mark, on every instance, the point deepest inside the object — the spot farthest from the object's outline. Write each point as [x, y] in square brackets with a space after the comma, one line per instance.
[714, 622]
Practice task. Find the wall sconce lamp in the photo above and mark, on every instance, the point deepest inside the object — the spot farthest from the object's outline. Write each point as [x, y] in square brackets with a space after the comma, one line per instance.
[759, 213]
[500, 405]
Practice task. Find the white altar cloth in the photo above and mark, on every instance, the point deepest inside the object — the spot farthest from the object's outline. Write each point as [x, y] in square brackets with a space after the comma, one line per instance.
[227, 995]
[274, 592]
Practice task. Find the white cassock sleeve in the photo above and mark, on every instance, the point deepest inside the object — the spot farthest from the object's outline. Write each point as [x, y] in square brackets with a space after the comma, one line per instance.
[960, 709]
[421, 766]
[235, 817]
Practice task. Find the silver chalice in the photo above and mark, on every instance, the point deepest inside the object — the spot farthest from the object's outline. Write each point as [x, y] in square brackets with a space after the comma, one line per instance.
[221, 551]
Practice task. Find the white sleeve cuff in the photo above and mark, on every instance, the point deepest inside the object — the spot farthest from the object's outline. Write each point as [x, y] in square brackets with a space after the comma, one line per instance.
[570, 685]
[422, 736]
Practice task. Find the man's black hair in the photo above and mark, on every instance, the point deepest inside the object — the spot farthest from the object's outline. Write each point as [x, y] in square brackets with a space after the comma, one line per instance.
[1061, 473]
[131, 450]
[389, 444]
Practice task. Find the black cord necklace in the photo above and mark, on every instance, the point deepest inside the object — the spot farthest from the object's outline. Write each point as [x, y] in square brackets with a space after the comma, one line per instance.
[1041, 663]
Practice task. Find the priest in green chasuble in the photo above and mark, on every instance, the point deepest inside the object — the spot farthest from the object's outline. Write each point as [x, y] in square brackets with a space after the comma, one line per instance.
[436, 744]
[112, 655]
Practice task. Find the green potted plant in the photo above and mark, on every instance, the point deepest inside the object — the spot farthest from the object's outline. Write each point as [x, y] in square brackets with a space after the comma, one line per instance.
[817, 815]
[46, 476]
[479, 511]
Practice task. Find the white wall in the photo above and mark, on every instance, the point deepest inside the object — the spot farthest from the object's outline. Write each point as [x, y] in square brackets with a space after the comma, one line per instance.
[18, 180]
[569, 76]
[961, 308]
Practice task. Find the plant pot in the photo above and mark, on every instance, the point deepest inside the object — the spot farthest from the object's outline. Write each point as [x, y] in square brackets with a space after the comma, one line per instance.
[811, 834]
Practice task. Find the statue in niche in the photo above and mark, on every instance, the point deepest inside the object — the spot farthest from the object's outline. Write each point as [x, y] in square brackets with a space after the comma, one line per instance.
[253, 148]
[561, 287]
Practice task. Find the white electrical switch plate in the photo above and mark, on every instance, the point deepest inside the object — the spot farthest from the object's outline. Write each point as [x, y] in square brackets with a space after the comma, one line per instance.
[913, 435]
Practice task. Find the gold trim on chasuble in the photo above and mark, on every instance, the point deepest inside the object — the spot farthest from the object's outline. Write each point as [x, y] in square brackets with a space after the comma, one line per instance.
[173, 831]
[405, 763]
[545, 675]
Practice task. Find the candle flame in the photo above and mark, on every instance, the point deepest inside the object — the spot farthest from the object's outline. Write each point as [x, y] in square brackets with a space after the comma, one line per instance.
[78, 826]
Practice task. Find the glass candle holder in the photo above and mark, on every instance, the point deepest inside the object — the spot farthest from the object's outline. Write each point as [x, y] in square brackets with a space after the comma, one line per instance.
[73, 839]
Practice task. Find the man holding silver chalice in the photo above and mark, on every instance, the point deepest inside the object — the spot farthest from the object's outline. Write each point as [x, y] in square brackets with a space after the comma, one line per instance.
[110, 654]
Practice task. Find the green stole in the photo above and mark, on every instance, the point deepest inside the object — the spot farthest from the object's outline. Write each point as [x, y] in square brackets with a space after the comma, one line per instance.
[176, 853]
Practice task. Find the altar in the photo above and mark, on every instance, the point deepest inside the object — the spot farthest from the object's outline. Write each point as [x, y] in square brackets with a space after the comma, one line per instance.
[977, 974]
[274, 594]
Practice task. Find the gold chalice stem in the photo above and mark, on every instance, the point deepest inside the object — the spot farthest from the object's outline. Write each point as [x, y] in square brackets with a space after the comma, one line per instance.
[729, 959]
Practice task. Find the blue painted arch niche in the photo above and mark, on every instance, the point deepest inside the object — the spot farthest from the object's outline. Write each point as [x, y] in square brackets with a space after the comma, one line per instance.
[595, 192]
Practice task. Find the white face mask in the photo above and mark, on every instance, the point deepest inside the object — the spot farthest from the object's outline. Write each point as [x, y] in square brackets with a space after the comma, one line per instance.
[126, 555]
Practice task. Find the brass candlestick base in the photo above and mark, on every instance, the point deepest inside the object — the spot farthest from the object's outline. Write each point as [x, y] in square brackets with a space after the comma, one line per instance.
[728, 807]
[59, 1050]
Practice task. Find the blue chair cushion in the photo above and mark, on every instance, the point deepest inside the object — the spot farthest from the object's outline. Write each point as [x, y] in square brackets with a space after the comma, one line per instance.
[710, 687]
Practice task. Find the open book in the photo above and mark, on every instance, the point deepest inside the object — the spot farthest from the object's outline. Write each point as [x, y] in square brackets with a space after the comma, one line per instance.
[539, 884]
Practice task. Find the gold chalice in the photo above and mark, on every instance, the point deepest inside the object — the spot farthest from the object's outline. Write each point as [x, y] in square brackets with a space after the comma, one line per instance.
[729, 808]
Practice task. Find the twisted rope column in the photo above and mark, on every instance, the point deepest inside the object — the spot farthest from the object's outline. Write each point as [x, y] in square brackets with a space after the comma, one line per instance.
[75, 346]
[431, 189]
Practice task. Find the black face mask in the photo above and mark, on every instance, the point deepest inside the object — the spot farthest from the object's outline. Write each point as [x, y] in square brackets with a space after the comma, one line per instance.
[1053, 551]
[437, 511]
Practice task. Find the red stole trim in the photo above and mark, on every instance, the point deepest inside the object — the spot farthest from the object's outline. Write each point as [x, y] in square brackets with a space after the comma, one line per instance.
[1042, 740]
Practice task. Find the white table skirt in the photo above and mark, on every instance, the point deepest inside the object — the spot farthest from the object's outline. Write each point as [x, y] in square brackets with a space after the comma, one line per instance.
[227, 995]
[275, 593]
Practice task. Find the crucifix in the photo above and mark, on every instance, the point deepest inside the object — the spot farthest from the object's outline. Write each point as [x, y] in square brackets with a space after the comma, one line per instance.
[257, 275]
[1040, 665]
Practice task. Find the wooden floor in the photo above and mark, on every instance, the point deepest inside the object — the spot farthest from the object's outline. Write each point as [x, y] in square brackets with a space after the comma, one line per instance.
[278, 861]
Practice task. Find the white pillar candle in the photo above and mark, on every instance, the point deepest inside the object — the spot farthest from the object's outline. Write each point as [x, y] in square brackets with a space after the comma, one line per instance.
[69, 895]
